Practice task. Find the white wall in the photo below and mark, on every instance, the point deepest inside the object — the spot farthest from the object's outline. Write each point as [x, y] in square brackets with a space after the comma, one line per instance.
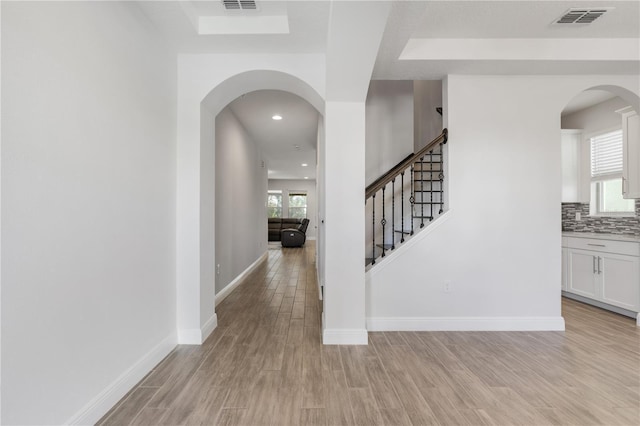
[499, 245]
[389, 126]
[600, 117]
[427, 122]
[241, 192]
[292, 185]
[88, 207]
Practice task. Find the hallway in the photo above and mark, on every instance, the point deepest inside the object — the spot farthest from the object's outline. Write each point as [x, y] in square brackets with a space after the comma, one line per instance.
[265, 364]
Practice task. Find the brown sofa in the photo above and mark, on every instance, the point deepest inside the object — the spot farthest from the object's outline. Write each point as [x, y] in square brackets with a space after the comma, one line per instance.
[290, 231]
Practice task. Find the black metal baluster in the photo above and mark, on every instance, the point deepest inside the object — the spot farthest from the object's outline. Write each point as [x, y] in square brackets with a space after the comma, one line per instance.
[402, 208]
[383, 222]
[412, 198]
[441, 178]
[431, 185]
[393, 213]
[373, 248]
[422, 192]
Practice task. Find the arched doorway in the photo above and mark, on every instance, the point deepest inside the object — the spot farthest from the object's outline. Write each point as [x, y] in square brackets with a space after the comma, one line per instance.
[600, 149]
[265, 143]
[195, 269]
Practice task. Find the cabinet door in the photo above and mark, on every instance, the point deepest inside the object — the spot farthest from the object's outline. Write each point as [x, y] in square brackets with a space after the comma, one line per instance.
[570, 149]
[582, 273]
[620, 280]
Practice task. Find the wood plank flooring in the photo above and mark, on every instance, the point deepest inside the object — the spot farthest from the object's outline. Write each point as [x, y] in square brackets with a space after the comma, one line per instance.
[265, 365]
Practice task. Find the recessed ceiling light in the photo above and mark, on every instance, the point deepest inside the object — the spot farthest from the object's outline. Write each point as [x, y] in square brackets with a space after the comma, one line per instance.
[304, 164]
[306, 177]
[277, 117]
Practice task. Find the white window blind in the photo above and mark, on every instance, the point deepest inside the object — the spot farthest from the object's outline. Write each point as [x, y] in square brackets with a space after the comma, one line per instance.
[606, 154]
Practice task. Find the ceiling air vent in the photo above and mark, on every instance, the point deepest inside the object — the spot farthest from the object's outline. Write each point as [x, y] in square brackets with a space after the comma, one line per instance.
[239, 4]
[582, 16]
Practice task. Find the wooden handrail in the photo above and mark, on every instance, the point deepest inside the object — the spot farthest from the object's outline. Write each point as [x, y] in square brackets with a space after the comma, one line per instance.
[395, 171]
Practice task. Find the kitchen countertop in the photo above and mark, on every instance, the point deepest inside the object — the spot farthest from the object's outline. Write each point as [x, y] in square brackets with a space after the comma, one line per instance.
[602, 236]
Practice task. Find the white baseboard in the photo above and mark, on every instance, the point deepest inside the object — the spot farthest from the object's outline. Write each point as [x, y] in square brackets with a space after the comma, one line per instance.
[209, 326]
[353, 336]
[197, 336]
[466, 324]
[105, 400]
[220, 296]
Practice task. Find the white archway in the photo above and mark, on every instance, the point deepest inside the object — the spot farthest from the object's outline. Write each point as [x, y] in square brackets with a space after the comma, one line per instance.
[195, 221]
[579, 189]
[250, 81]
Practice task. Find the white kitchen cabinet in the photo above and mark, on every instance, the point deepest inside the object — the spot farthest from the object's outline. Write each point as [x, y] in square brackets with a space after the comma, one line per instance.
[575, 185]
[620, 280]
[582, 277]
[630, 152]
[605, 271]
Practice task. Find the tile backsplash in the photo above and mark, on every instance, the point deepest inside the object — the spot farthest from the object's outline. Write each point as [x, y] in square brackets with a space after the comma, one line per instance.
[600, 224]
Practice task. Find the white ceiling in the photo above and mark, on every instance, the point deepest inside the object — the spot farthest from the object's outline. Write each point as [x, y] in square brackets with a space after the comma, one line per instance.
[308, 23]
[466, 21]
[516, 37]
[287, 143]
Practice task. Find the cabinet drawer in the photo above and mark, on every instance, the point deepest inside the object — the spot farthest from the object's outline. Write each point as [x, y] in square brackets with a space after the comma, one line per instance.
[619, 247]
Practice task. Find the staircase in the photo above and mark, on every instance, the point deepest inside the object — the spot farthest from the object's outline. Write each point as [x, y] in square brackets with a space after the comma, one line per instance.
[405, 199]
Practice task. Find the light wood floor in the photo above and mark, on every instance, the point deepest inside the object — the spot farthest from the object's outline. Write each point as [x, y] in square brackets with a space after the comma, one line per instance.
[264, 364]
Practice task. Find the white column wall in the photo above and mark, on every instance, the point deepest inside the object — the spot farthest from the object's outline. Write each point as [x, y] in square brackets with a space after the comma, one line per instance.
[351, 55]
[320, 180]
[344, 226]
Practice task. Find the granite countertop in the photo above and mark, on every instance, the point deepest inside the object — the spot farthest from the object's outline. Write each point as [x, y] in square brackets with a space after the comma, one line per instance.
[602, 236]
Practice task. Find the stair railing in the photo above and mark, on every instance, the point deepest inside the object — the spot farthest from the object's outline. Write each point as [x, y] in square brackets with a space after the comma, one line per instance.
[426, 188]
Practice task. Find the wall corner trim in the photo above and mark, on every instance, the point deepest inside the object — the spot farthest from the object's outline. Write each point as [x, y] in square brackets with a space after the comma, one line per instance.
[197, 336]
[465, 324]
[105, 400]
[348, 336]
[222, 294]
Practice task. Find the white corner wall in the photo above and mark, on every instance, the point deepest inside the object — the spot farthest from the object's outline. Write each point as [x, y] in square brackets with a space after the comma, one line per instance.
[389, 126]
[427, 123]
[293, 185]
[88, 207]
[499, 245]
[241, 193]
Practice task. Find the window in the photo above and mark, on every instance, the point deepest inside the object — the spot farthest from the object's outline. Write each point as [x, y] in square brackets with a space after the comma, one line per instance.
[606, 176]
[297, 204]
[274, 204]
